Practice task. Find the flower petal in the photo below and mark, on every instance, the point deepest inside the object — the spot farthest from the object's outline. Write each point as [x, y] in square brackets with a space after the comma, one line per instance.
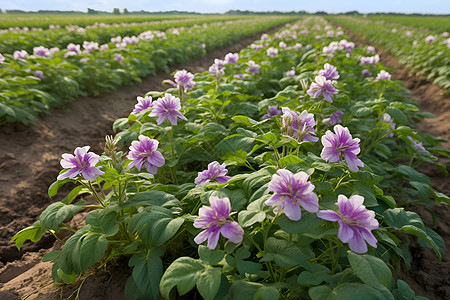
[232, 231]
[292, 209]
[328, 215]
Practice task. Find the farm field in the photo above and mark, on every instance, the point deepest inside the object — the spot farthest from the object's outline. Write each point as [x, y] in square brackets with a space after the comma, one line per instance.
[237, 137]
[423, 48]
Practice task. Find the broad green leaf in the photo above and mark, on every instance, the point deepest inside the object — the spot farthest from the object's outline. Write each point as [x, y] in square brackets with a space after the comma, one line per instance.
[209, 256]
[348, 291]
[208, 282]
[283, 253]
[289, 160]
[57, 212]
[33, 233]
[88, 249]
[371, 270]
[152, 197]
[104, 220]
[182, 273]
[244, 290]
[147, 273]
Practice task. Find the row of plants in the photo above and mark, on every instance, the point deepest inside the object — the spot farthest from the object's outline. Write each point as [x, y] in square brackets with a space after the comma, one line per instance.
[62, 37]
[435, 23]
[424, 53]
[275, 174]
[32, 84]
[11, 21]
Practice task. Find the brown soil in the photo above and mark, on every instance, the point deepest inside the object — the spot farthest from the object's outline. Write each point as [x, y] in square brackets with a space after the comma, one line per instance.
[29, 163]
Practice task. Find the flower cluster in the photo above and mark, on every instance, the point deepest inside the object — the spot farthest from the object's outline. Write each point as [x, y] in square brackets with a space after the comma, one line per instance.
[22, 54]
[329, 72]
[231, 58]
[83, 162]
[144, 153]
[253, 68]
[143, 103]
[383, 75]
[272, 52]
[355, 222]
[300, 127]
[370, 60]
[339, 145]
[184, 80]
[291, 192]
[214, 220]
[322, 87]
[167, 107]
[333, 119]
[215, 172]
[273, 111]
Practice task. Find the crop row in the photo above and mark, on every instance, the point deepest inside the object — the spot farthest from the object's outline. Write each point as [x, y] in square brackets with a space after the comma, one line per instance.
[424, 53]
[274, 174]
[32, 84]
[61, 37]
[45, 20]
[434, 24]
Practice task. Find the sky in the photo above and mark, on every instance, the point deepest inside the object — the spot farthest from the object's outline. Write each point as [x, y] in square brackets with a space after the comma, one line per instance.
[221, 6]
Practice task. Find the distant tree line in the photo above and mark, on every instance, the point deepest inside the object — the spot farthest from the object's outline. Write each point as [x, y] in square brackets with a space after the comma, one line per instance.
[116, 11]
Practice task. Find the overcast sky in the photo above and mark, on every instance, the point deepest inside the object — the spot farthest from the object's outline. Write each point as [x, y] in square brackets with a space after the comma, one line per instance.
[220, 6]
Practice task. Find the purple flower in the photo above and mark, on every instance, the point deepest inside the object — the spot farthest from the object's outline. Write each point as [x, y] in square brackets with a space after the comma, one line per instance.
[252, 67]
[445, 34]
[143, 103]
[430, 39]
[322, 87]
[290, 73]
[117, 39]
[355, 222]
[384, 75]
[41, 51]
[22, 54]
[144, 153]
[366, 73]
[39, 74]
[273, 111]
[329, 72]
[333, 119]
[54, 50]
[167, 107]
[264, 37]
[300, 127]
[184, 79]
[104, 47]
[118, 57]
[291, 191]
[370, 60]
[339, 145]
[347, 45]
[388, 119]
[214, 220]
[370, 49]
[215, 171]
[282, 44]
[417, 146]
[83, 162]
[2, 59]
[272, 51]
[231, 58]
[256, 47]
[202, 46]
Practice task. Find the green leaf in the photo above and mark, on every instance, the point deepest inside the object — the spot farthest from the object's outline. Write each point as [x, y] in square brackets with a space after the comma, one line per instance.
[209, 256]
[88, 249]
[182, 273]
[365, 191]
[348, 291]
[399, 217]
[57, 212]
[155, 225]
[244, 290]
[104, 220]
[51, 255]
[248, 267]
[289, 160]
[234, 143]
[147, 273]
[315, 275]
[33, 233]
[151, 198]
[371, 270]
[403, 291]
[208, 282]
[53, 188]
[67, 278]
[284, 253]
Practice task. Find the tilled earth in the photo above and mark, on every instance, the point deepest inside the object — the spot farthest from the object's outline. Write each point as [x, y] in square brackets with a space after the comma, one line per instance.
[29, 163]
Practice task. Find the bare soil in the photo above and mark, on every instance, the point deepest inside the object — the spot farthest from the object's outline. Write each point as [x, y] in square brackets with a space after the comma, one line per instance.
[29, 163]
